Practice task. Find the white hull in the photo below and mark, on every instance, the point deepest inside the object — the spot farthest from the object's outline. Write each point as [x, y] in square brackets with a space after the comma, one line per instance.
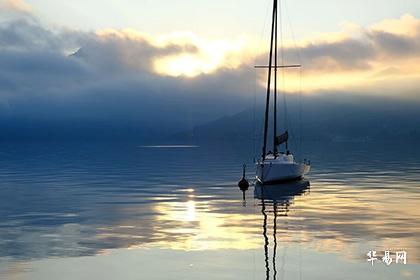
[282, 168]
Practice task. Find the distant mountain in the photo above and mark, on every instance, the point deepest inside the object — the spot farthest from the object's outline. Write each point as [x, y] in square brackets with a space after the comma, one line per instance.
[235, 127]
[322, 118]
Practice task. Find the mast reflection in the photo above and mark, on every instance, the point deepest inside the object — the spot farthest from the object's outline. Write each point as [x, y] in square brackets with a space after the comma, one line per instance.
[279, 198]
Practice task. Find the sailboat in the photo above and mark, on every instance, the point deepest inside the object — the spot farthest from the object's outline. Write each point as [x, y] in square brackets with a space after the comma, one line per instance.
[276, 166]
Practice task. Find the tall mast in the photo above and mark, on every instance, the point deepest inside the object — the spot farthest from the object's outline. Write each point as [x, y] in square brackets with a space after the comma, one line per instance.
[267, 102]
[275, 86]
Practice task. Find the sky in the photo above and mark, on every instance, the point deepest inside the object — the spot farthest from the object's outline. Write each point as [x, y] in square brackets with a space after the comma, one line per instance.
[210, 18]
[177, 64]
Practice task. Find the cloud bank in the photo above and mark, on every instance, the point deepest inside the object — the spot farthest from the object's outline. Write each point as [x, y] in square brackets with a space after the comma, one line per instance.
[360, 59]
[104, 79]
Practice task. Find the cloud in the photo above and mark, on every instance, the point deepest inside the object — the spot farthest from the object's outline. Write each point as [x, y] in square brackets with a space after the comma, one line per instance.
[351, 58]
[348, 54]
[389, 45]
[330, 61]
[104, 79]
[17, 5]
[406, 25]
[356, 47]
[170, 82]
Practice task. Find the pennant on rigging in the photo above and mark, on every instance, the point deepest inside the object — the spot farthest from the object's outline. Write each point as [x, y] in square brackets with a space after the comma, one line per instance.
[282, 138]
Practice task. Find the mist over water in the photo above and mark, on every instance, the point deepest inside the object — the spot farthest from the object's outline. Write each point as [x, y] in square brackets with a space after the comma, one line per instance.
[79, 206]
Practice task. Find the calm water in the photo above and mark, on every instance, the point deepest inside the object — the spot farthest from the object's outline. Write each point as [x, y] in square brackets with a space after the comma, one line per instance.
[122, 211]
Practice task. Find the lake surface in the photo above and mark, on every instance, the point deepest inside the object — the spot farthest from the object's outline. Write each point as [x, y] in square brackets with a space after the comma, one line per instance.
[124, 211]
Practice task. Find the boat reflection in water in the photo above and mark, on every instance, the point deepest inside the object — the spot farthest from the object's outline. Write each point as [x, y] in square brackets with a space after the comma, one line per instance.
[276, 199]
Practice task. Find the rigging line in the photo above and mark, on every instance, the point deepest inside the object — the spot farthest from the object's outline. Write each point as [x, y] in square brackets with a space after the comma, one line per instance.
[255, 116]
[292, 33]
[256, 54]
[286, 119]
[275, 89]
[267, 12]
[299, 56]
[300, 112]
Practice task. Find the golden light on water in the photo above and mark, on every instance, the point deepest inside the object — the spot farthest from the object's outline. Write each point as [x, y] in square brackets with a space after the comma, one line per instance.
[203, 230]
[202, 225]
[191, 212]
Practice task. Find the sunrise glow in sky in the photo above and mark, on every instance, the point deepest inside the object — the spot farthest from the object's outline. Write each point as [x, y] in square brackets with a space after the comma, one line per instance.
[357, 44]
[379, 36]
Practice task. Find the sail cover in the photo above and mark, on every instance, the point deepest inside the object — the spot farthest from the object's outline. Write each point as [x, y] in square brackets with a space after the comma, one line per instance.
[282, 138]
